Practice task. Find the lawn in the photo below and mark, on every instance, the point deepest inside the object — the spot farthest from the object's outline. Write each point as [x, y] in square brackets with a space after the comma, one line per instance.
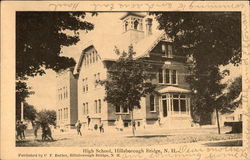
[144, 137]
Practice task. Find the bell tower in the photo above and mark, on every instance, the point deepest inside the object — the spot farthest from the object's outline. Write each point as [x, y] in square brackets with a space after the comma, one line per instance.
[132, 24]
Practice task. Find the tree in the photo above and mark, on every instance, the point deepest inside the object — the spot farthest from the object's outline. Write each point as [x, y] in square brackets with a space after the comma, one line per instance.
[127, 82]
[47, 117]
[39, 39]
[29, 112]
[209, 39]
[232, 97]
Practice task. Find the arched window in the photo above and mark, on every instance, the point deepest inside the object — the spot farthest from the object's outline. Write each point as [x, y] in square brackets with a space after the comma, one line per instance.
[126, 26]
[136, 23]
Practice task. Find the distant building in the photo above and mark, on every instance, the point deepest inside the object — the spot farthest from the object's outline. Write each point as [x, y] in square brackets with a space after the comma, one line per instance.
[170, 107]
[235, 116]
[66, 99]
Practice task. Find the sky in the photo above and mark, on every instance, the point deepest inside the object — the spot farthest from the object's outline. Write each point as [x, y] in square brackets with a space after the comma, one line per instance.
[106, 24]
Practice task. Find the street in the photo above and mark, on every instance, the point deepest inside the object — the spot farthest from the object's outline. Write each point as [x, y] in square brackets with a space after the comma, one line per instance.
[143, 137]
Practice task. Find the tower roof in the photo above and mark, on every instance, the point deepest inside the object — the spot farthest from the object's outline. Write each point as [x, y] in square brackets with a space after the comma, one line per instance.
[133, 14]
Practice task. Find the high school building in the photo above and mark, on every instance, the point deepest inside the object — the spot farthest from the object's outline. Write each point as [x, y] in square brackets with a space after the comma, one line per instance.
[170, 106]
[67, 108]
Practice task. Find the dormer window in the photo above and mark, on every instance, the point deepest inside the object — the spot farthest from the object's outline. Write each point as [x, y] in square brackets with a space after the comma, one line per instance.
[167, 50]
[136, 23]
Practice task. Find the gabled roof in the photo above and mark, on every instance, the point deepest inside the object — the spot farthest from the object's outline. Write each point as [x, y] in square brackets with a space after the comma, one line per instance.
[138, 14]
[105, 47]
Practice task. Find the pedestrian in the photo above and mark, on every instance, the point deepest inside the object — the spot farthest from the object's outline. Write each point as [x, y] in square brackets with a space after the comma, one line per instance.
[134, 125]
[159, 121]
[78, 126]
[101, 127]
[88, 121]
[22, 128]
[36, 127]
[43, 131]
[18, 131]
[46, 132]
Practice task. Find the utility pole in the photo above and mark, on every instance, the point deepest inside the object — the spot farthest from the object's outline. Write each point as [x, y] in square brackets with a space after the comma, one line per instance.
[218, 121]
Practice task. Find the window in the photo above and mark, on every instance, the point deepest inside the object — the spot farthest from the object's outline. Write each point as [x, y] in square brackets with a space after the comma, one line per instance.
[83, 85]
[136, 24]
[85, 63]
[167, 76]
[58, 114]
[174, 76]
[87, 58]
[167, 50]
[178, 103]
[170, 76]
[240, 117]
[125, 109]
[63, 113]
[120, 109]
[125, 124]
[86, 85]
[160, 76]
[90, 58]
[83, 108]
[93, 56]
[100, 106]
[87, 108]
[95, 80]
[183, 105]
[170, 52]
[95, 106]
[96, 56]
[163, 48]
[117, 109]
[152, 102]
[126, 26]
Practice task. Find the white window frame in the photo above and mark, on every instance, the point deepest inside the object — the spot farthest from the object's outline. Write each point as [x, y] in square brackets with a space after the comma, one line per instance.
[169, 55]
[121, 111]
[170, 76]
[167, 50]
[170, 98]
[154, 103]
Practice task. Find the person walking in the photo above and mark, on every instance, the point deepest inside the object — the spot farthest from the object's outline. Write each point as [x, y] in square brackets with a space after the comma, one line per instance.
[88, 121]
[18, 131]
[101, 127]
[22, 128]
[48, 132]
[36, 127]
[78, 126]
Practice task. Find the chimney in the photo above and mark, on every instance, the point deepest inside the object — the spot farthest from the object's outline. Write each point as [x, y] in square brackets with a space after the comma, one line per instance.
[148, 26]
